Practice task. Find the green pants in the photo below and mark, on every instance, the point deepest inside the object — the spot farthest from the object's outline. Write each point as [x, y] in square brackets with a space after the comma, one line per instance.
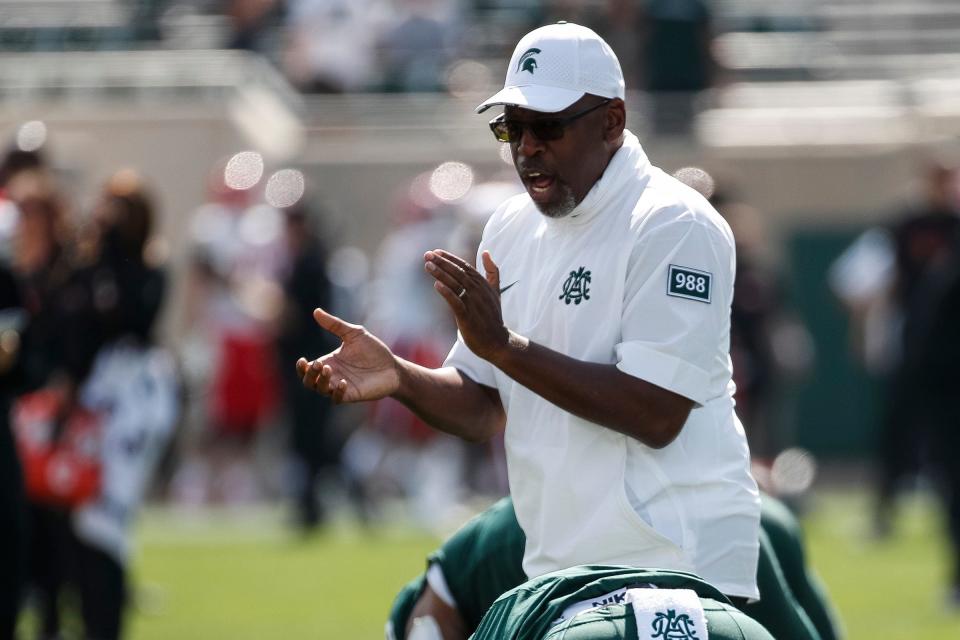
[786, 540]
[777, 608]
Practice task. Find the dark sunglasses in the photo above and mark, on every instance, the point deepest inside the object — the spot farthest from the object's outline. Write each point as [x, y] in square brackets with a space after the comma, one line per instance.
[544, 129]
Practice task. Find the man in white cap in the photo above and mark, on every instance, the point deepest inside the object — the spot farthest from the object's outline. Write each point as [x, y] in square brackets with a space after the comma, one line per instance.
[595, 329]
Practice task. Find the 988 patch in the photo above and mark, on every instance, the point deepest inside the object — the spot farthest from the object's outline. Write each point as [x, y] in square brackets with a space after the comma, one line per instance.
[692, 284]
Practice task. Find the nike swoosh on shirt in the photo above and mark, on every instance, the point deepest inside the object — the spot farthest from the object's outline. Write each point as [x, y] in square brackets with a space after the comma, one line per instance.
[508, 286]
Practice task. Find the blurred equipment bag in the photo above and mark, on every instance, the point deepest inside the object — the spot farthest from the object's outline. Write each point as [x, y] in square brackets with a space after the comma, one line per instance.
[61, 457]
[135, 390]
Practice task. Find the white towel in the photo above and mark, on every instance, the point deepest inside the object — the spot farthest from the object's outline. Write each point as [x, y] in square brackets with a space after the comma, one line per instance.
[668, 614]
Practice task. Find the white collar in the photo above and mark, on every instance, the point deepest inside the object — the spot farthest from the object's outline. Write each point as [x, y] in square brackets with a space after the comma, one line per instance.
[629, 161]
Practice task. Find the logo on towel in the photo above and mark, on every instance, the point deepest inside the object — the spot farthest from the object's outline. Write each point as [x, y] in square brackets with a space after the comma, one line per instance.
[670, 626]
[527, 62]
[576, 288]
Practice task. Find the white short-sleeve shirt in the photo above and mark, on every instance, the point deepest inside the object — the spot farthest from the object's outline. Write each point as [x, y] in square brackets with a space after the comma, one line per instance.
[639, 275]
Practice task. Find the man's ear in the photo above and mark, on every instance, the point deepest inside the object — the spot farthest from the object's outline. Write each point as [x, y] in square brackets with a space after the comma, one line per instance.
[615, 121]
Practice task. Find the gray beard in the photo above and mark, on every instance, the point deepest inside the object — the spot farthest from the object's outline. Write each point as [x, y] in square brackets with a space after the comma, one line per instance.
[563, 207]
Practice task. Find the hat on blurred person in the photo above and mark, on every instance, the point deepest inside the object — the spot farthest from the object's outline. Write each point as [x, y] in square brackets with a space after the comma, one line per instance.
[554, 66]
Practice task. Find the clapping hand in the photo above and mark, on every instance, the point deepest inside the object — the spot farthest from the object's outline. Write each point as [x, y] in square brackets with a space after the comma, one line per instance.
[473, 298]
[362, 368]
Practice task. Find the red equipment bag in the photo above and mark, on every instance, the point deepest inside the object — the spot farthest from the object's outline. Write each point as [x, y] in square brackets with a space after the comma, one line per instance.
[59, 470]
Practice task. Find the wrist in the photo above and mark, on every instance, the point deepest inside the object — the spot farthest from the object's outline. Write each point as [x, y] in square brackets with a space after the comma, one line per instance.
[404, 372]
[514, 345]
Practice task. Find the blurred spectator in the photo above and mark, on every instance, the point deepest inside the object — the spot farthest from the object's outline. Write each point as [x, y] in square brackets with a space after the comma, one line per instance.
[576, 11]
[933, 364]
[14, 545]
[13, 514]
[396, 450]
[15, 162]
[620, 27]
[44, 260]
[861, 278]
[474, 211]
[414, 51]
[332, 43]
[677, 60]
[59, 358]
[768, 345]
[922, 240]
[757, 304]
[401, 306]
[133, 388]
[879, 279]
[239, 254]
[251, 20]
[306, 287]
[145, 16]
[91, 438]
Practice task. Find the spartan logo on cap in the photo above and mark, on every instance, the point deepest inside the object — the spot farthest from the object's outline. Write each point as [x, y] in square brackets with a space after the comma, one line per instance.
[527, 62]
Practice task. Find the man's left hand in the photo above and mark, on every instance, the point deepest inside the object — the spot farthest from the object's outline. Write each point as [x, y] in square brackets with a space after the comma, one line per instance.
[473, 298]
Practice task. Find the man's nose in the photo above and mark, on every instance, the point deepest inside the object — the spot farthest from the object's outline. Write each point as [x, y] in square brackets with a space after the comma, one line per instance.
[529, 144]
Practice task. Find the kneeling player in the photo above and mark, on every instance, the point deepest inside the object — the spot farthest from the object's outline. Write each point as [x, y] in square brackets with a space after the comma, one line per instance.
[483, 560]
[616, 603]
[473, 568]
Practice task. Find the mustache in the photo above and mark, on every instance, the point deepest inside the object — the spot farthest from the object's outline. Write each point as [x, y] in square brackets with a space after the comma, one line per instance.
[531, 167]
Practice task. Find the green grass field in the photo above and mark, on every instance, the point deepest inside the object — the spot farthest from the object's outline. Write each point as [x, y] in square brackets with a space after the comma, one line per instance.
[894, 589]
[244, 577]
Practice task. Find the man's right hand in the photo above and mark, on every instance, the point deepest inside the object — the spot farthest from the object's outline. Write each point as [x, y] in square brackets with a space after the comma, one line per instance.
[363, 368]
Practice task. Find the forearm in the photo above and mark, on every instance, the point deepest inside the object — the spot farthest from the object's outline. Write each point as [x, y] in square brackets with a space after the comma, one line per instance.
[599, 393]
[450, 401]
[448, 619]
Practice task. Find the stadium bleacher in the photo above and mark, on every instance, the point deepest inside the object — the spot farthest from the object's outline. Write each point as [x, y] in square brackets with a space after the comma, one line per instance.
[866, 85]
[802, 79]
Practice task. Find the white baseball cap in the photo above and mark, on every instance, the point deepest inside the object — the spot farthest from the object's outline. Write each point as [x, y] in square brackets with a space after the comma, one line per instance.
[554, 66]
